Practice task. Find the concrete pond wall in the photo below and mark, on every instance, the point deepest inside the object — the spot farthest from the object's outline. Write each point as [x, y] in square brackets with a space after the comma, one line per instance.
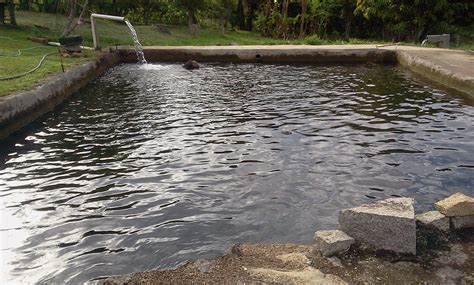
[20, 109]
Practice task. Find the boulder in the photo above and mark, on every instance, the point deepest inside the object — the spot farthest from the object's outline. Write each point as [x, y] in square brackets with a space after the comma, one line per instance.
[332, 242]
[191, 64]
[387, 225]
[456, 205]
[463, 222]
[434, 219]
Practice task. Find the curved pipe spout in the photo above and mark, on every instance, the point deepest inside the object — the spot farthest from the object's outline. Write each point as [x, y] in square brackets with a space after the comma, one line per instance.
[95, 37]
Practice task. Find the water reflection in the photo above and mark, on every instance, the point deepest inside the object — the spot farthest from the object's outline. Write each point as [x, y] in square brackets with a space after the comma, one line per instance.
[152, 165]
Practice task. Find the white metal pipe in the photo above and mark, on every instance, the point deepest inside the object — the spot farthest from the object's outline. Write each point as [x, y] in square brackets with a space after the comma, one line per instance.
[58, 45]
[95, 37]
[108, 17]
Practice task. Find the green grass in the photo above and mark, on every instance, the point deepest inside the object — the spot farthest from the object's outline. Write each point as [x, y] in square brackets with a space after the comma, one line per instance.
[14, 38]
[116, 33]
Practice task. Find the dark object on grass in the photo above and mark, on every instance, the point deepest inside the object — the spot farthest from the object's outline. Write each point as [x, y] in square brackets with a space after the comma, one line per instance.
[41, 40]
[191, 64]
[163, 29]
[41, 27]
[71, 43]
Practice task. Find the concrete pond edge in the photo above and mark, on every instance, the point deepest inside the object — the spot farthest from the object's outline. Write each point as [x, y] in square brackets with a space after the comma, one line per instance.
[19, 109]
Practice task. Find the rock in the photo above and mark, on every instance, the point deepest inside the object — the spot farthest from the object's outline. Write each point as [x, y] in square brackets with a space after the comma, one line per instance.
[70, 49]
[335, 261]
[332, 242]
[77, 54]
[456, 205]
[434, 219]
[41, 40]
[430, 237]
[388, 224]
[234, 251]
[463, 222]
[191, 64]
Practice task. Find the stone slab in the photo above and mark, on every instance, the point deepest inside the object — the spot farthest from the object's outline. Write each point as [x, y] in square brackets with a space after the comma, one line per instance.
[384, 225]
[462, 222]
[332, 242]
[456, 205]
[434, 219]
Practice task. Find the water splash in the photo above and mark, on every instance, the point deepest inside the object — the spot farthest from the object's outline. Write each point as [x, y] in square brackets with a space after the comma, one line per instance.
[138, 46]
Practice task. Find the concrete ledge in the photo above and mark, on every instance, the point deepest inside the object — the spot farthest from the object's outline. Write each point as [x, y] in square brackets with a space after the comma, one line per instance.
[436, 72]
[265, 54]
[20, 109]
[450, 68]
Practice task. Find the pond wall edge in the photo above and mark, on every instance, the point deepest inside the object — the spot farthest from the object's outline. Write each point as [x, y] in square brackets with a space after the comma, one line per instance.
[20, 109]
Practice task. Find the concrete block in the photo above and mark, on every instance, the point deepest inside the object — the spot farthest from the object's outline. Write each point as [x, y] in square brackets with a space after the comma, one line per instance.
[463, 222]
[388, 224]
[456, 205]
[434, 219]
[332, 242]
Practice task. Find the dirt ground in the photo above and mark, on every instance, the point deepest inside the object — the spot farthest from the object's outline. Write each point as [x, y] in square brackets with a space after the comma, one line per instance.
[452, 263]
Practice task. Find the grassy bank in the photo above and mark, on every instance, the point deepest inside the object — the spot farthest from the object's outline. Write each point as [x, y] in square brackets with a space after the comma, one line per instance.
[111, 33]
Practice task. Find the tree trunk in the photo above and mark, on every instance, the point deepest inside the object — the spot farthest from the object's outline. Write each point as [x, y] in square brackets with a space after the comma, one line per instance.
[252, 6]
[240, 14]
[70, 19]
[190, 18]
[222, 21]
[11, 11]
[284, 25]
[304, 8]
[348, 26]
[419, 33]
[71, 25]
[25, 5]
[2, 13]
[268, 14]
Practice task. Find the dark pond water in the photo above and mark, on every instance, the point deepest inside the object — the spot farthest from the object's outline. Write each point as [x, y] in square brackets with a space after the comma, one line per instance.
[152, 165]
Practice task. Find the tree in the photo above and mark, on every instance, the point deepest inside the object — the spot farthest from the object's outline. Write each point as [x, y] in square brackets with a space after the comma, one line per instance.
[405, 19]
[284, 20]
[11, 11]
[71, 24]
[222, 10]
[2, 12]
[191, 7]
[240, 14]
[252, 6]
[304, 9]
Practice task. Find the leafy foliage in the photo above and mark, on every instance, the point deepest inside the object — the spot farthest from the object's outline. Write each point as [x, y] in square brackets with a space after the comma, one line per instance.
[396, 20]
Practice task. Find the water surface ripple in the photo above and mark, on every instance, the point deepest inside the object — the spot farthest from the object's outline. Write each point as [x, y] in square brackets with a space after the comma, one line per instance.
[151, 165]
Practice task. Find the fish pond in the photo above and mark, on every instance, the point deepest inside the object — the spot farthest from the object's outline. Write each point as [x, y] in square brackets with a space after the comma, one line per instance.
[151, 165]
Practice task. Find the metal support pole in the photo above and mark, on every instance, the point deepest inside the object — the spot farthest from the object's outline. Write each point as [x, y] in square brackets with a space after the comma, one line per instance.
[95, 37]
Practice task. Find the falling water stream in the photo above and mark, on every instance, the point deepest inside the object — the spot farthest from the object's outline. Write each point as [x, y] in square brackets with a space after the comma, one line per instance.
[138, 46]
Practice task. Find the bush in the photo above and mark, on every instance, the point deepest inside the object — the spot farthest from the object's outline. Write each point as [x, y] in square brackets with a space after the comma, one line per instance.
[313, 40]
